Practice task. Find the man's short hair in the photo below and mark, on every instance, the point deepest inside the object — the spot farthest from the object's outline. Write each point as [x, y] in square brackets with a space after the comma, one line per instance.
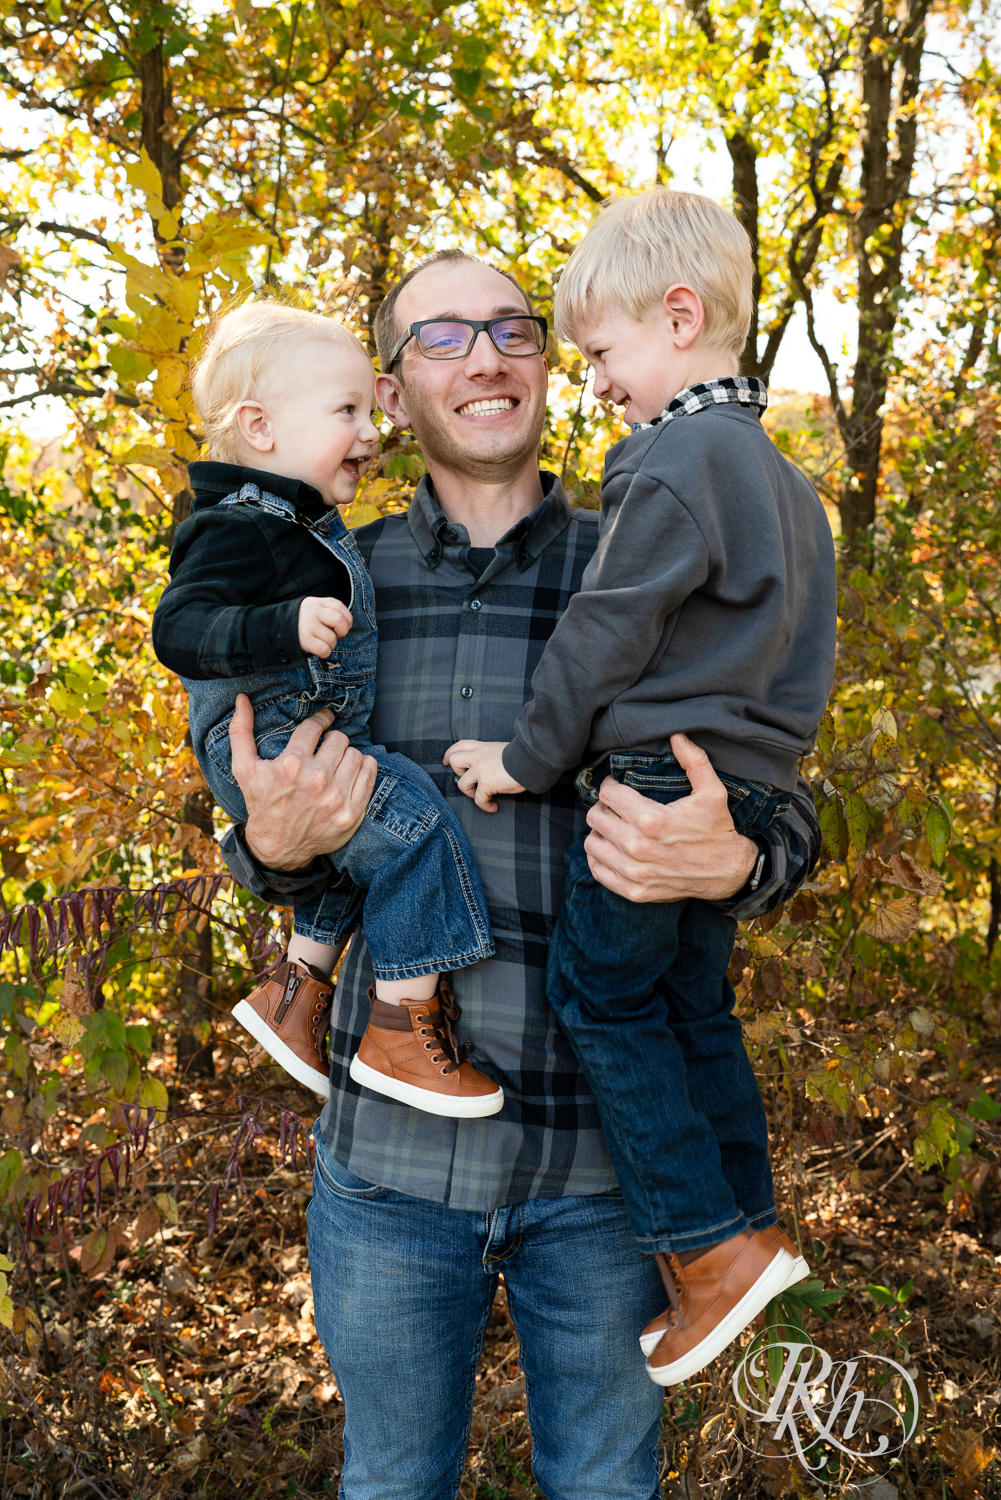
[638, 247]
[385, 329]
[238, 361]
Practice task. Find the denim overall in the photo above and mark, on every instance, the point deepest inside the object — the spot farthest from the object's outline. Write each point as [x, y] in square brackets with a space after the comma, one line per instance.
[641, 991]
[425, 911]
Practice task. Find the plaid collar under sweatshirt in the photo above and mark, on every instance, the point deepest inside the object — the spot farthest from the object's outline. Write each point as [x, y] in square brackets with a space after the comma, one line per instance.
[725, 390]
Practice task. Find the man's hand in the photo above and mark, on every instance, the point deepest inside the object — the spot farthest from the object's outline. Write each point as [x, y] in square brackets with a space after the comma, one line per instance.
[322, 623]
[482, 771]
[308, 801]
[648, 851]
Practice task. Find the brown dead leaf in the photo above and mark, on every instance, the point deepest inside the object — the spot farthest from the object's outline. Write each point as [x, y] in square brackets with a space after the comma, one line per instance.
[97, 1252]
[969, 1455]
[9, 261]
[147, 1224]
[902, 870]
[892, 921]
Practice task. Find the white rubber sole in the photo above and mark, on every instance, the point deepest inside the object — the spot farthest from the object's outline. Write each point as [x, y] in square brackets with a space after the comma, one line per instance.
[312, 1078]
[783, 1271]
[430, 1103]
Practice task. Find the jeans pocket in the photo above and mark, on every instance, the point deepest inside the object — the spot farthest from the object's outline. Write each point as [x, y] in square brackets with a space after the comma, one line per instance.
[753, 805]
[340, 1181]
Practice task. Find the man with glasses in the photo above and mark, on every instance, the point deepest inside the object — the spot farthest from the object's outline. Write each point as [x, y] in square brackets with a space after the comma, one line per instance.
[413, 1219]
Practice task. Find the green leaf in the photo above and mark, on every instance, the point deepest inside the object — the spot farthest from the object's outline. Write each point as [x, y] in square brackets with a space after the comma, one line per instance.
[115, 1067]
[938, 828]
[11, 1167]
[833, 828]
[107, 1029]
[983, 1107]
[857, 819]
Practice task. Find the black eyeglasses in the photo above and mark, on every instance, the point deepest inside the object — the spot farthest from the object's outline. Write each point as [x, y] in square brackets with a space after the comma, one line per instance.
[452, 338]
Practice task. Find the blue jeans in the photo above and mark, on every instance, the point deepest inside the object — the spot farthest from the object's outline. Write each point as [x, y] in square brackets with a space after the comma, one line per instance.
[403, 1290]
[640, 989]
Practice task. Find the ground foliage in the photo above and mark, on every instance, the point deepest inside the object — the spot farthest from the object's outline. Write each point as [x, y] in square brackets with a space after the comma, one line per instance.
[154, 1303]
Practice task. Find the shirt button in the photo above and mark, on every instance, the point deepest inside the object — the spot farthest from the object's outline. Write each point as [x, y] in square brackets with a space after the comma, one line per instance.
[476, 604]
[467, 692]
[449, 534]
[283, 656]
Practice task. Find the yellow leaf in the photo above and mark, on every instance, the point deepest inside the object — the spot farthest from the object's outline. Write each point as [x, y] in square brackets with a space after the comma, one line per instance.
[67, 1029]
[166, 1207]
[152, 1092]
[143, 175]
[360, 513]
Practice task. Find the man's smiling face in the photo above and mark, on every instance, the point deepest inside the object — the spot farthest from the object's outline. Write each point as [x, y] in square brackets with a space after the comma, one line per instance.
[480, 415]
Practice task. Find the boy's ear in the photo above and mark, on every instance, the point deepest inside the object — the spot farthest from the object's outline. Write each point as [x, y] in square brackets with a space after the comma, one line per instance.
[254, 427]
[390, 395]
[685, 313]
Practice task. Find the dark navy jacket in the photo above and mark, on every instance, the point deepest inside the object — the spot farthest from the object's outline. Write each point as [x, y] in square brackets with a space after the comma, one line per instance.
[238, 575]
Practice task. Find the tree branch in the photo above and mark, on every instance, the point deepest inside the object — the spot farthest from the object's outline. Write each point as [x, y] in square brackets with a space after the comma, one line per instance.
[67, 388]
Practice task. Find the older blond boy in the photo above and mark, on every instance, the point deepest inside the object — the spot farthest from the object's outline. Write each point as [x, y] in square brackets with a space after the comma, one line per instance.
[269, 597]
[709, 609]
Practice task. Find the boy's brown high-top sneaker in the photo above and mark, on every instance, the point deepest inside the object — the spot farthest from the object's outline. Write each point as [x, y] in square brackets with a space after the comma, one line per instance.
[410, 1053]
[719, 1291]
[289, 1014]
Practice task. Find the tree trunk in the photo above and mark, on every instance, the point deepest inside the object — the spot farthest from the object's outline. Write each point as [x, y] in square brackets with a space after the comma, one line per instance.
[889, 72]
[194, 947]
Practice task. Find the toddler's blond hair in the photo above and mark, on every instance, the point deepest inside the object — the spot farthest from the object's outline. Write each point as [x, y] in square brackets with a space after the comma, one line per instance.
[237, 363]
[638, 247]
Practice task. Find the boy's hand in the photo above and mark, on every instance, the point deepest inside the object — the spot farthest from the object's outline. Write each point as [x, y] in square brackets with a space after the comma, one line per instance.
[480, 771]
[322, 623]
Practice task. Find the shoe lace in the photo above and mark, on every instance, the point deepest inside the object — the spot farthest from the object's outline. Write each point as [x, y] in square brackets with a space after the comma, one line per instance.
[441, 1024]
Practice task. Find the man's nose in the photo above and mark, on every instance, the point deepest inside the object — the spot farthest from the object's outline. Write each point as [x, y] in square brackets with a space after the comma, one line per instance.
[484, 357]
[601, 386]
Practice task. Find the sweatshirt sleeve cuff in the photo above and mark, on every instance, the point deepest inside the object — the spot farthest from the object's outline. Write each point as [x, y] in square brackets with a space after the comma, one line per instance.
[526, 770]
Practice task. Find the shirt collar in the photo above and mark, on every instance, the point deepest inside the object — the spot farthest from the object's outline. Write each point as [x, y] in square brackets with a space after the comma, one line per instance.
[727, 390]
[523, 543]
[212, 482]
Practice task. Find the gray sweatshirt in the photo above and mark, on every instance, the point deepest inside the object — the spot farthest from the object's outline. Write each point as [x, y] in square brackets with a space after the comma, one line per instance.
[709, 607]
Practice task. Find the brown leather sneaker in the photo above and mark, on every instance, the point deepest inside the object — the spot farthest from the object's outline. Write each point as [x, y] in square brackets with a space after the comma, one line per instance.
[289, 1014]
[719, 1291]
[409, 1053]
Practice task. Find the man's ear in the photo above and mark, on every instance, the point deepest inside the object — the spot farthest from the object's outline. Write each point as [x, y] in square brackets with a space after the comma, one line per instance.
[254, 427]
[684, 310]
[391, 396]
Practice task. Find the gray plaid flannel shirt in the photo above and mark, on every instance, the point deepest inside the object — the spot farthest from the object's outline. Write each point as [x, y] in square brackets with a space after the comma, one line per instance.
[456, 655]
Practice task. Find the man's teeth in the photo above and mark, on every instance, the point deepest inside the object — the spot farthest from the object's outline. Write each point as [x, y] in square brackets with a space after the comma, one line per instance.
[481, 408]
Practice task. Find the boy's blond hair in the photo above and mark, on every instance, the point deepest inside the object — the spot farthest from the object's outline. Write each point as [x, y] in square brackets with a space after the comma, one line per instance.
[638, 247]
[237, 363]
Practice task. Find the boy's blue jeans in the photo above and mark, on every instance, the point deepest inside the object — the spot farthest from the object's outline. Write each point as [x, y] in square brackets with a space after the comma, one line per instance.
[408, 874]
[641, 991]
[403, 1290]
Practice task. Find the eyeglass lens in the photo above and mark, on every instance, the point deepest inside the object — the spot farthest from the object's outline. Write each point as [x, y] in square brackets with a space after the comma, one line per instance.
[449, 339]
